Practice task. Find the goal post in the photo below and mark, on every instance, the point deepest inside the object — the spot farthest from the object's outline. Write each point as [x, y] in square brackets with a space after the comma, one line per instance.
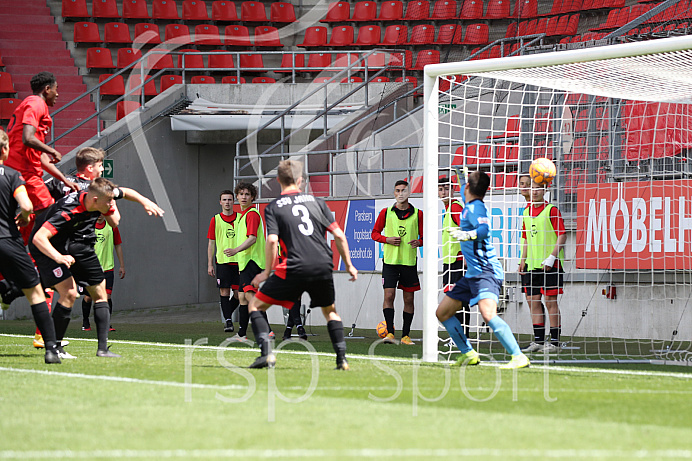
[617, 122]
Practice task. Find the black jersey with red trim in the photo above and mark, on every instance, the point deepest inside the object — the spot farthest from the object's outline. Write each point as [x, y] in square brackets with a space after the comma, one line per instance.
[301, 222]
[68, 219]
[58, 189]
[10, 181]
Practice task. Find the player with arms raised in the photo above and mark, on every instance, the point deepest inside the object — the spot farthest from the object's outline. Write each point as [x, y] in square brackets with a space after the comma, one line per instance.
[299, 222]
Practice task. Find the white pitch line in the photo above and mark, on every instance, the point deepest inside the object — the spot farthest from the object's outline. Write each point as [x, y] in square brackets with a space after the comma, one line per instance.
[484, 453]
[661, 374]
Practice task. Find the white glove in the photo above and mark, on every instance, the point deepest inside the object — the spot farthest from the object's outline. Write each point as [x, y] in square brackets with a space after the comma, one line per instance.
[463, 235]
[549, 261]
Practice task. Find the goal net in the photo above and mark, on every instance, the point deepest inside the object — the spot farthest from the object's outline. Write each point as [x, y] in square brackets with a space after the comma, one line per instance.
[617, 123]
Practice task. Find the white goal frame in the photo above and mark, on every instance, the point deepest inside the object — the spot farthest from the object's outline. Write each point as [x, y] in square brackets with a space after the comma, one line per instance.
[431, 142]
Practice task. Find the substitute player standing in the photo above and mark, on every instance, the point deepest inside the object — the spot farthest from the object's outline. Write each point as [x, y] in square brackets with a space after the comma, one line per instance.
[298, 222]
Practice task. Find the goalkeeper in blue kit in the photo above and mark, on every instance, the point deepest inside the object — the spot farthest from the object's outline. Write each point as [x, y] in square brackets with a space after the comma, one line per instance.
[483, 279]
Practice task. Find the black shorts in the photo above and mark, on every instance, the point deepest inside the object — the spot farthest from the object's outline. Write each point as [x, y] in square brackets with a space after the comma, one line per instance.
[547, 283]
[86, 269]
[400, 276]
[284, 292]
[525, 282]
[227, 276]
[110, 278]
[451, 273]
[15, 263]
[246, 276]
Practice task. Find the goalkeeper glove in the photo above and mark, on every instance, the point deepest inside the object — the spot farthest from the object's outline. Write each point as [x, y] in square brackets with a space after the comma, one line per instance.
[463, 235]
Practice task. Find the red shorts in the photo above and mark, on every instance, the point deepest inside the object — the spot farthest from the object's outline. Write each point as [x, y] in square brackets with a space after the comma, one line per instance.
[38, 193]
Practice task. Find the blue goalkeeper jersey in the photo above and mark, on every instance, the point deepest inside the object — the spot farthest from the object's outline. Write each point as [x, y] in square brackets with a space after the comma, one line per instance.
[480, 254]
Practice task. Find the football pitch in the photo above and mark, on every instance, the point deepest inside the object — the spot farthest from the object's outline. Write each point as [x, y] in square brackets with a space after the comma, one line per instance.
[164, 400]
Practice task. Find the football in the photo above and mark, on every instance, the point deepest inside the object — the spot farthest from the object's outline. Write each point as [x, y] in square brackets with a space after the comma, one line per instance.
[382, 329]
[542, 171]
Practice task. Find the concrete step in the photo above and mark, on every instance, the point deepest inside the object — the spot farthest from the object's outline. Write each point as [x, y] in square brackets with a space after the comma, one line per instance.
[25, 19]
[46, 62]
[46, 46]
[63, 71]
[45, 34]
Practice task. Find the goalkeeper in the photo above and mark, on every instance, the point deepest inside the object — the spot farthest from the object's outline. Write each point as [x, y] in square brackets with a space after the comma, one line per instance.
[483, 279]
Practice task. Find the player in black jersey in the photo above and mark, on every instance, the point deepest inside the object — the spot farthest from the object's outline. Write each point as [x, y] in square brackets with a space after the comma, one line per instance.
[15, 263]
[298, 222]
[62, 245]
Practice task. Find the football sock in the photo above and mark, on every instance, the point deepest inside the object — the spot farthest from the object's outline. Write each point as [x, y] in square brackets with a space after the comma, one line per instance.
[234, 305]
[504, 334]
[86, 310]
[336, 334]
[102, 317]
[456, 332]
[294, 316]
[243, 319]
[408, 318]
[266, 319]
[555, 335]
[260, 328]
[61, 319]
[49, 303]
[464, 317]
[389, 319]
[45, 324]
[226, 307]
[539, 333]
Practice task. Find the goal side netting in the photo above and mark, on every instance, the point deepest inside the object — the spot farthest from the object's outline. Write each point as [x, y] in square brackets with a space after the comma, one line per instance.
[617, 123]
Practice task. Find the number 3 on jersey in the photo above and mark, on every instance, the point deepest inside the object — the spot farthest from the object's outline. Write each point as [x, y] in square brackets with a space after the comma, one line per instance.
[307, 228]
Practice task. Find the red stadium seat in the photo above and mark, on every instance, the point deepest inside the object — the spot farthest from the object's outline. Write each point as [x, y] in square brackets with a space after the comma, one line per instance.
[221, 60]
[341, 36]
[603, 148]
[345, 59]
[263, 80]
[207, 35]
[391, 11]
[267, 36]
[164, 9]
[444, 9]
[159, 61]
[287, 62]
[192, 59]
[149, 87]
[178, 34]
[426, 57]
[237, 36]
[125, 107]
[396, 34]
[412, 80]
[314, 36]
[556, 8]
[364, 11]
[476, 34]
[282, 13]
[7, 107]
[525, 9]
[147, 33]
[252, 62]
[74, 9]
[135, 9]
[579, 151]
[322, 80]
[542, 26]
[351, 80]
[417, 10]
[581, 124]
[471, 9]
[422, 34]
[511, 30]
[104, 9]
[114, 87]
[376, 60]
[116, 32]
[553, 25]
[253, 12]
[232, 80]
[369, 36]
[338, 12]
[222, 10]
[319, 61]
[404, 59]
[381, 79]
[449, 33]
[498, 9]
[195, 10]
[572, 25]
[168, 81]
[99, 58]
[202, 79]
[86, 32]
[127, 56]
[507, 153]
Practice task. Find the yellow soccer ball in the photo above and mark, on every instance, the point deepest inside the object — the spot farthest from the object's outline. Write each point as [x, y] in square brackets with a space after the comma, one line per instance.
[382, 329]
[542, 171]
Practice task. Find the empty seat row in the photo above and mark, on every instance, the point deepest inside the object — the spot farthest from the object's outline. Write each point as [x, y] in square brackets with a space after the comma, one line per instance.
[205, 34]
[6, 84]
[555, 26]
[116, 85]
[193, 10]
[396, 34]
[619, 17]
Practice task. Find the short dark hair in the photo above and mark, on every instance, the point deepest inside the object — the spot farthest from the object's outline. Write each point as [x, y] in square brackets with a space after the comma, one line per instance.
[102, 187]
[41, 80]
[478, 183]
[246, 186]
[289, 171]
[88, 156]
[443, 181]
[523, 174]
[401, 182]
[226, 192]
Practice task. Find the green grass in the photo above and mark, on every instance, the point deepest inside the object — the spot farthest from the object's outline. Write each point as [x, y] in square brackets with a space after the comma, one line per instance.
[75, 411]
